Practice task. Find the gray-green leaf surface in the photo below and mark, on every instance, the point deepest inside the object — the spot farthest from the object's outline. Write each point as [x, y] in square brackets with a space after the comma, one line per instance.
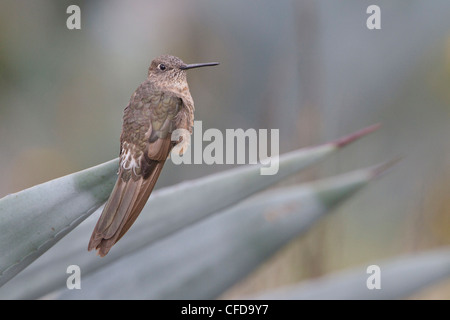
[203, 260]
[396, 278]
[35, 219]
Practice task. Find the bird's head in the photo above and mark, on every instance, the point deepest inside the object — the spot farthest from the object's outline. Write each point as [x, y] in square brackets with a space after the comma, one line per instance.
[170, 69]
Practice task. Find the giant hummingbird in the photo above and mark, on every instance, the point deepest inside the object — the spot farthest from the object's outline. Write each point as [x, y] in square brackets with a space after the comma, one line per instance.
[158, 107]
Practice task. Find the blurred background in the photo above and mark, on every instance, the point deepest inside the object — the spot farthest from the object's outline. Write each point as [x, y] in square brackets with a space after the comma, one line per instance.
[310, 68]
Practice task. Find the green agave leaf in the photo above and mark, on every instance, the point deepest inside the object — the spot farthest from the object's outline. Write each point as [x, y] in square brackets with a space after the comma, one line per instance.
[203, 260]
[33, 220]
[64, 204]
[399, 278]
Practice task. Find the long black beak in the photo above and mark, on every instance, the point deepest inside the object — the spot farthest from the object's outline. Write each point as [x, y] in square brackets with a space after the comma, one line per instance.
[198, 65]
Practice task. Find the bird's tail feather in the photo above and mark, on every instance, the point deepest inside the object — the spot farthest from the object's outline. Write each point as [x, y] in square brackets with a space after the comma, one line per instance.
[123, 207]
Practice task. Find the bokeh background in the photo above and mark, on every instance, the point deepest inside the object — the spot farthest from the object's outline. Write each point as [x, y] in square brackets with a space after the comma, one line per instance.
[309, 68]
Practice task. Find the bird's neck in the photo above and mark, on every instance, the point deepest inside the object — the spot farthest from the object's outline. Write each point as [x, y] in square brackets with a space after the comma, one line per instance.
[170, 86]
[180, 89]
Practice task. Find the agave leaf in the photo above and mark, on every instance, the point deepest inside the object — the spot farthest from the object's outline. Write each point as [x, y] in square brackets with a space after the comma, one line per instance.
[161, 216]
[400, 277]
[203, 260]
[33, 220]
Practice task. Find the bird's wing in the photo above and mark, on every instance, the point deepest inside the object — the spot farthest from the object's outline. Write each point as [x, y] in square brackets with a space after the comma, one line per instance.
[141, 161]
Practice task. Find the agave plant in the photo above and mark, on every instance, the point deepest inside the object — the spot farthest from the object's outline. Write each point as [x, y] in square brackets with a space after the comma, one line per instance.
[166, 249]
[401, 277]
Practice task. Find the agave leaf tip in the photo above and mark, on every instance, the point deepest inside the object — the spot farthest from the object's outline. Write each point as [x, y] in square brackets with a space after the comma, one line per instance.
[356, 135]
[383, 167]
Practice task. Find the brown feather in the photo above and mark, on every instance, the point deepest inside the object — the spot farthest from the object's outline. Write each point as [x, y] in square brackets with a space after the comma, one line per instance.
[127, 200]
[142, 199]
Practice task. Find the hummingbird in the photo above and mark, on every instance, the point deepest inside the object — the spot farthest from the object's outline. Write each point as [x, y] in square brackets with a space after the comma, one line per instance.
[159, 106]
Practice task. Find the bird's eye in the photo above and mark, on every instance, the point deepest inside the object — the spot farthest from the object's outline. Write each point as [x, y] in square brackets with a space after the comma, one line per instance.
[161, 67]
